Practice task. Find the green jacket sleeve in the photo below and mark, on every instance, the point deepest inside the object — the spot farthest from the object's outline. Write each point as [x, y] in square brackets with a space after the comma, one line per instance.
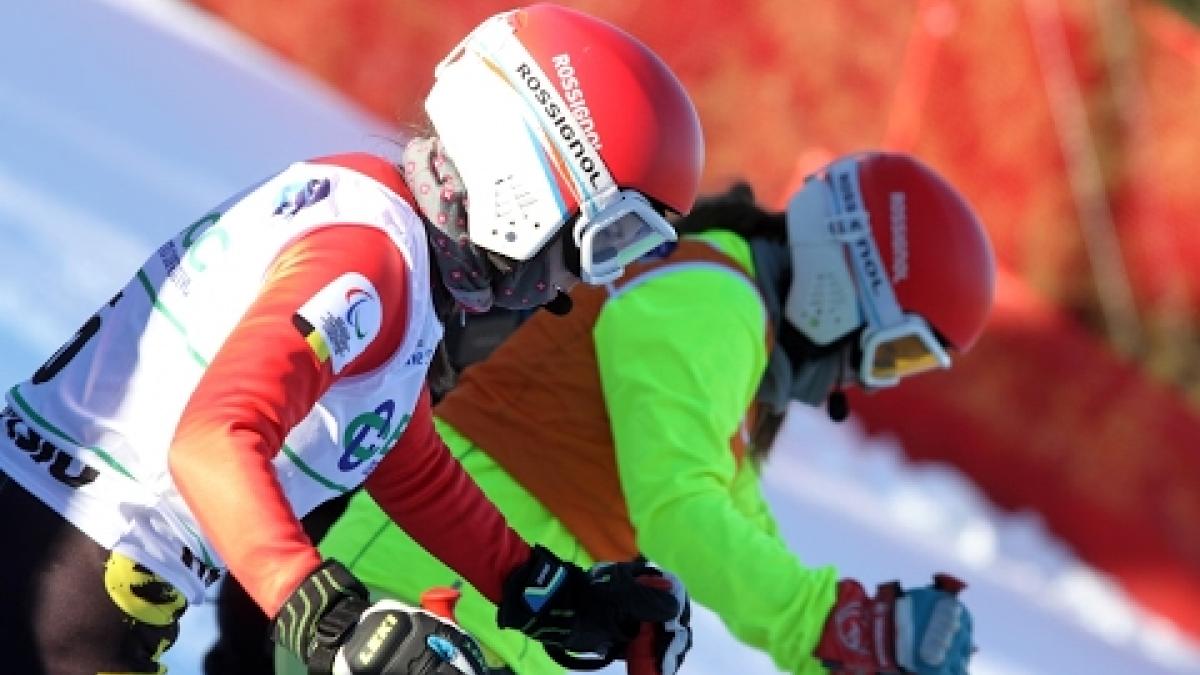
[680, 357]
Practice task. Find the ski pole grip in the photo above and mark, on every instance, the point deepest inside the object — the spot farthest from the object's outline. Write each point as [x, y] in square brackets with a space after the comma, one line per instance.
[441, 601]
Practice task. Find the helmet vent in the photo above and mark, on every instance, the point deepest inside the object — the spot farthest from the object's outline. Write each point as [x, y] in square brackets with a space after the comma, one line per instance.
[514, 201]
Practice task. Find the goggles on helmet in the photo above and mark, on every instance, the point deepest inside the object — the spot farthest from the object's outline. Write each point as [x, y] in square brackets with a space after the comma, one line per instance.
[835, 238]
[513, 158]
[618, 234]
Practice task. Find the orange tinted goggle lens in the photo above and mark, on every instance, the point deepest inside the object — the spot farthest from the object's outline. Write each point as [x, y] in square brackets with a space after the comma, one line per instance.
[902, 356]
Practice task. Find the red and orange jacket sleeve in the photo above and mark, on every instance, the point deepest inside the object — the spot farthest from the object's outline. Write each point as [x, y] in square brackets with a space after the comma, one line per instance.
[265, 379]
[443, 509]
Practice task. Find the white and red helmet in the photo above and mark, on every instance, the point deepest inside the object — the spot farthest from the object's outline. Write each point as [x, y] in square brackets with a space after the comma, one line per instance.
[883, 243]
[547, 112]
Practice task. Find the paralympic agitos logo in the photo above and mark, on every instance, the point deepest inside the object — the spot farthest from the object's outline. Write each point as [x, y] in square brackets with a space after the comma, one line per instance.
[370, 434]
[356, 297]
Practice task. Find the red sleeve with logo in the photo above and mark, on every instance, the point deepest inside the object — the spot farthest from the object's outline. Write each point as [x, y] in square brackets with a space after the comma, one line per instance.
[264, 380]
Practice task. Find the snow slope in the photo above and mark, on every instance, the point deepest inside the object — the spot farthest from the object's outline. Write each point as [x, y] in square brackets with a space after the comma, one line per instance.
[120, 121]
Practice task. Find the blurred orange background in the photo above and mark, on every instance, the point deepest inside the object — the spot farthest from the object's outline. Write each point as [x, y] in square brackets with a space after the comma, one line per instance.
[1071, 125]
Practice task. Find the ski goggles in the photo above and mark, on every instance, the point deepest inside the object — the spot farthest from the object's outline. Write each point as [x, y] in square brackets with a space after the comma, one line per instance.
[619, 233]
[833, 233]
[892, 353]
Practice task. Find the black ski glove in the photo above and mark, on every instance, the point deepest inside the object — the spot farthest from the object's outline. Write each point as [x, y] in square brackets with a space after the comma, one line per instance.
[329, 623]
[586, 620]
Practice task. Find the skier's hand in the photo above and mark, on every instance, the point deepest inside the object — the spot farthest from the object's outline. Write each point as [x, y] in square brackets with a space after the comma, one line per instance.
[926, 630]
[586, 620]
[329, 623]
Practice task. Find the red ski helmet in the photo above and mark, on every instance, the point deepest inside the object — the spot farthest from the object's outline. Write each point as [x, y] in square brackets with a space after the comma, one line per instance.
[882, 242]
[548, 112]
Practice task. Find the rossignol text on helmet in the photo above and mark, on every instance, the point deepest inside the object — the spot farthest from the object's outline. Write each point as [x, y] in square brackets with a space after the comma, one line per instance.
[882, 242]
[546, 113]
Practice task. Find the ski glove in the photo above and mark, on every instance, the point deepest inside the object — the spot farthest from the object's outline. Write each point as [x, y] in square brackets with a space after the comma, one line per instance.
[329, 623]
[586, 620]
[926, 631]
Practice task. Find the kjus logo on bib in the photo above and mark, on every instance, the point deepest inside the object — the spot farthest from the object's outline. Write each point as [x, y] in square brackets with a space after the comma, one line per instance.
[370, 434]
[341, 320]
[59, 464]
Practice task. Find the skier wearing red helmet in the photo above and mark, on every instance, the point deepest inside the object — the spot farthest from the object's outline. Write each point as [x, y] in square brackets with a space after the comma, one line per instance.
[588, 139]
[891, 274]
[637, 423]
[274, 355]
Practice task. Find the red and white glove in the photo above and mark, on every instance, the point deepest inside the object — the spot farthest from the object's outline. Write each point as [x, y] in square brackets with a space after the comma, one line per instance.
[925, 630]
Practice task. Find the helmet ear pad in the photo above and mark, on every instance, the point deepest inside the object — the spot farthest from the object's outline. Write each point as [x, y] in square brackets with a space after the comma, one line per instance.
[514, 205]
[822, 299]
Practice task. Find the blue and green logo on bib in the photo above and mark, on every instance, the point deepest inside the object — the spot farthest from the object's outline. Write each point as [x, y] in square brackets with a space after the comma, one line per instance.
[371, 434]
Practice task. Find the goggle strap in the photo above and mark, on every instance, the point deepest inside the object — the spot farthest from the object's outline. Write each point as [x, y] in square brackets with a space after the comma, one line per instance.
[849, 224]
